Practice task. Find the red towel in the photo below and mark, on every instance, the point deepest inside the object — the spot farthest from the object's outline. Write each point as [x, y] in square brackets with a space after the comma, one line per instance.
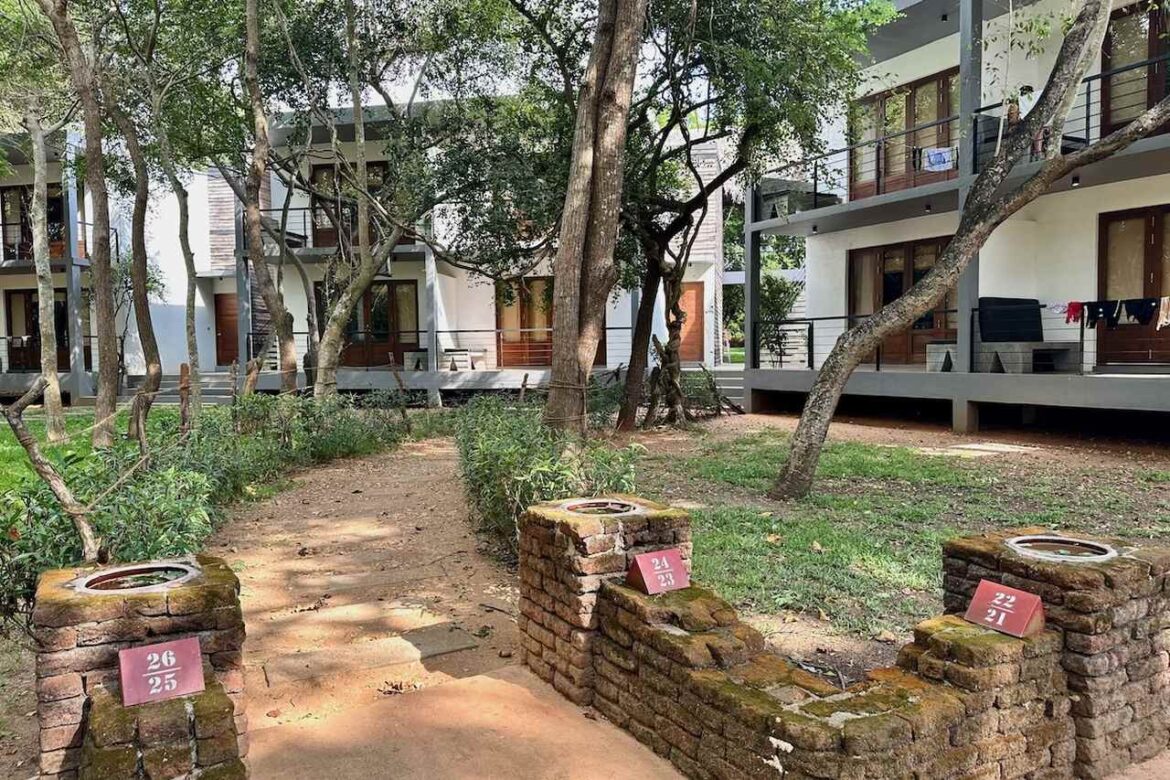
[1075, 310]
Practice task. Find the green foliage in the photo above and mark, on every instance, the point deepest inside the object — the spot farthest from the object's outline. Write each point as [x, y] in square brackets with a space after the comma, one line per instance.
[170, 507]
[509, 460]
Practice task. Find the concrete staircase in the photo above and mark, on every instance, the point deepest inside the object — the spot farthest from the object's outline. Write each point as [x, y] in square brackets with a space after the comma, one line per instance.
[217, 388]
[729, 380]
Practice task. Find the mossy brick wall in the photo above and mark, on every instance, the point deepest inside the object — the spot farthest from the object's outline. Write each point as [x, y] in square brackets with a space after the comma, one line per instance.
[686, 677]
[564, 557]
[1115, 623]
[682, 674]
[193, 736]
[78, 636]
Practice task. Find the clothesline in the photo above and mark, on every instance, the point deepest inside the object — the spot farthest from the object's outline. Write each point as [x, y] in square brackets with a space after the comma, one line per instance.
[1142, 311]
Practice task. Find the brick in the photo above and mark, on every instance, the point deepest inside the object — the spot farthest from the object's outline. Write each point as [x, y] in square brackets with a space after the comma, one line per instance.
[62, 686]
[61, 737]
[63, 712]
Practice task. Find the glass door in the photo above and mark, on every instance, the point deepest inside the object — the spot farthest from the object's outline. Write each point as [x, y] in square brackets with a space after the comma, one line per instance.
[1136, 34]
[1134, 266]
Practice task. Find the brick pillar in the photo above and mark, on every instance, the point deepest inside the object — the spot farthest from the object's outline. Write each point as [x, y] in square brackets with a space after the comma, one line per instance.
[567, 549]
[80, 630]
[1115, 622]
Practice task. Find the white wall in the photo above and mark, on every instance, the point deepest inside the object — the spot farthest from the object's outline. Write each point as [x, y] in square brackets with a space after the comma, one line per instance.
[168, 312]
[1047, 251]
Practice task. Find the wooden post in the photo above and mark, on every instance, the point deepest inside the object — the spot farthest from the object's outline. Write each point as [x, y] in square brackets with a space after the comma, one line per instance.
[402, 396]
[523, 386]
[184, 399]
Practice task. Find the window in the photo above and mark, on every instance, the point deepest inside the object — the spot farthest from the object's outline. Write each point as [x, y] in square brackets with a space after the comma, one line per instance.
[1136, 35]
[912, 119]
[16, 221]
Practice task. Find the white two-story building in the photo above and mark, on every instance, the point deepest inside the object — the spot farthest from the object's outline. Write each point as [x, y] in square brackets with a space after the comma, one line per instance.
[441, 327]
[878, 209]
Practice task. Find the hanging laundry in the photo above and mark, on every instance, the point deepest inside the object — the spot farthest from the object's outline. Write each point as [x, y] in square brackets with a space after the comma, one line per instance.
[1141, 310]
[1057, 307]
[1110, 311]
[1076, 310]
[1164, 312]
[940, 158]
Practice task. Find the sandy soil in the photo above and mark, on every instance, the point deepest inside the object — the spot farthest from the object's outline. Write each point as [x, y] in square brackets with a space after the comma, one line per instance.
[357, 551]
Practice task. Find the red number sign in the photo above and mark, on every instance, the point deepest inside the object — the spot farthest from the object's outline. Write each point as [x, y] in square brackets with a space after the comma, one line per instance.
[163, 671]
[1007, 610]
[658, 572]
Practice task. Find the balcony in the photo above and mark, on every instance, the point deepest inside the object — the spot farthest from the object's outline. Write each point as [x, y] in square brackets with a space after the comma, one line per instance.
[904, 160]
[309, 228]
[845, 187]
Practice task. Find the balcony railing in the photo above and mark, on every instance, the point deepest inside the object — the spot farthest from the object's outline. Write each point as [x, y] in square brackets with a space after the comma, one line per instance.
[923, 154]
[311, 228]
[1007, 338]
[483, 349]
[930, 152]
[22, 354]
[1105, 102]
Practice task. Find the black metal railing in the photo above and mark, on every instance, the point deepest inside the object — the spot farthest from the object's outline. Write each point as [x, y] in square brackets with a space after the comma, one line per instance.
[22, 354]
[931, 152]
[309, 227]
[1105, 102]
[804, 342]
[901, 160]
[1002, 337]
[468, 349]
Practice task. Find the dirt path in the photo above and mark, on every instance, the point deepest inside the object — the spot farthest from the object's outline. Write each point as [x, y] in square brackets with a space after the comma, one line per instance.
[363, 581]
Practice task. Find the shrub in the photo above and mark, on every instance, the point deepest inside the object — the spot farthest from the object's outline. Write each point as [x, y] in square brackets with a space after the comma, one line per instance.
[509, 460]
[169, 508]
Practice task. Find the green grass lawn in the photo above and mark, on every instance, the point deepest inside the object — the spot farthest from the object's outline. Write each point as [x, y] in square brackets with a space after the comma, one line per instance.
[864, 550]
[735, 355]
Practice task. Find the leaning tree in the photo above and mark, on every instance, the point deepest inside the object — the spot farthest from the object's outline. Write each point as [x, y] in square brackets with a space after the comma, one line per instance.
[988, 204]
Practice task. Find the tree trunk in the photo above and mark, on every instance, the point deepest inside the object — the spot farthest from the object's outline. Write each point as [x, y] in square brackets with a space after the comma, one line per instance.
[257, 170]
[82, 78]
[671, 354]
[46, 471]
[584, 269]
[167, 160]
[985, 209]
[54, 410]
[140, 280]
[640, 350]
[340, 312]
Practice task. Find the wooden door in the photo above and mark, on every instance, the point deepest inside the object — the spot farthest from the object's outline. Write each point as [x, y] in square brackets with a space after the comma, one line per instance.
[524, 323]
[881, 275]
[227, 329]
[1134, 264]
[1136, 34]
[693, 330]
[893, 269]
[24, 352]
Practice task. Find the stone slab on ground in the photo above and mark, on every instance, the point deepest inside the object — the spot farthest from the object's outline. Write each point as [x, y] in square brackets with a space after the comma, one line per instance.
[505, 725]
[411, 646]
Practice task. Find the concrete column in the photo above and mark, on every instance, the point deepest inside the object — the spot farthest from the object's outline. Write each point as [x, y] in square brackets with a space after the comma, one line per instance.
[78, 384]
[751, 280]
[243, 296]
[965, 415]
[434, 398]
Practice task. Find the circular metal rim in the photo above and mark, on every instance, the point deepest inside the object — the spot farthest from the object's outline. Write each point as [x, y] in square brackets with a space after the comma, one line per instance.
[189, 573]
[628, 507]
[1017, 543]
